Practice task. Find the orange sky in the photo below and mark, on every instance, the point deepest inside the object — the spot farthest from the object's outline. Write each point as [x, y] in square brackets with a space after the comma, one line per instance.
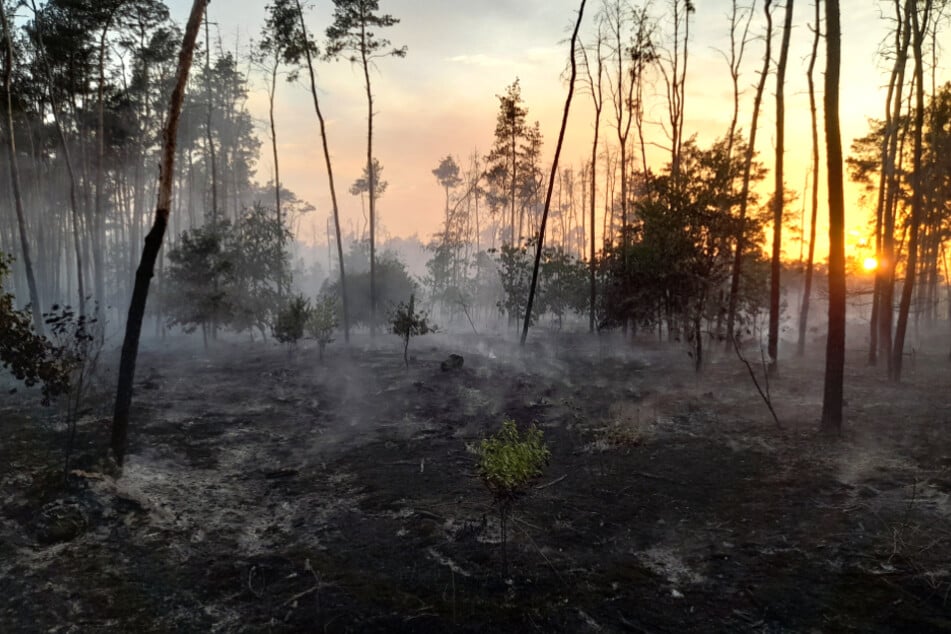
[441, 99]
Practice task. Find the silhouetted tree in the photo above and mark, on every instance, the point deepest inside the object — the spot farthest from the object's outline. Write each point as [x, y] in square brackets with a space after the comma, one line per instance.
[285, 24]
[835, 343]
[778, 195]
[353, 34]
[740, 246]
[814, 203]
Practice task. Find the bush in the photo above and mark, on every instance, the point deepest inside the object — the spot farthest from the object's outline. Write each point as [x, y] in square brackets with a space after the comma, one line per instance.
[507, 462]
[29, 357]
[291, 320]
[322, 322]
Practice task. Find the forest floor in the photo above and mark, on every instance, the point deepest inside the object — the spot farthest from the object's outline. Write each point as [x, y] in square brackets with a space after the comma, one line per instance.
[268, 492]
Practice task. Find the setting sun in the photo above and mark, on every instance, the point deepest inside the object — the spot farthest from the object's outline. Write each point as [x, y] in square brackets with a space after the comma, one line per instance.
[870, 264]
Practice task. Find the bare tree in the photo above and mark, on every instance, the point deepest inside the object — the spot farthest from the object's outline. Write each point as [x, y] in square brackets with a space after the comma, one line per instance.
[554, 172]
[675, 78]
[153, 241]
[779, 198]
[747, 172]
[595, 83]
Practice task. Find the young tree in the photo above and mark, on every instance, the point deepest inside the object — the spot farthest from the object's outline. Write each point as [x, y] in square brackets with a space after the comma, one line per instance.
[285, 23]
[407, 323]
[153, 241]
[353, 34]
[832, 400]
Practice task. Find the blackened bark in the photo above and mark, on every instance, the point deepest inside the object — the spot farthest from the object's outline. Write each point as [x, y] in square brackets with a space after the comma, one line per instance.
[835, 344]
[551, 179]
[153, 241]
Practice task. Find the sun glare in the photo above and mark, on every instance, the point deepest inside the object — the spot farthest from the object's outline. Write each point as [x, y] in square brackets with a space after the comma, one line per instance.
[870, 264]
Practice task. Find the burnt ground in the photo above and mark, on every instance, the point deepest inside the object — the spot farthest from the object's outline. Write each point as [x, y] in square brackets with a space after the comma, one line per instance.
[267, 492]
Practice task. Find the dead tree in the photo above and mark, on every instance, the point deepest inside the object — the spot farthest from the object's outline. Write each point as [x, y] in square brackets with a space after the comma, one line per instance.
[554, 171]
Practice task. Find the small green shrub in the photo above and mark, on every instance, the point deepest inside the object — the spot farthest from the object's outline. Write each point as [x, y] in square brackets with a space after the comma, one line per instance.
[508, 461]
[289, 326]
[322, 322]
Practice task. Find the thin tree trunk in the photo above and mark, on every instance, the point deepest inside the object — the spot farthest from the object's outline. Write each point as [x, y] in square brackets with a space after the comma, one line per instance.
[15, 179]
[208, 135]
[99, 224]
[919, 26]
[597, 97]
[551, 178]
[807, 286]
[330, 176]
[153, 241]
[832, 400]
[277, 172]
[745, 191]
[371, 176]
[779, 195]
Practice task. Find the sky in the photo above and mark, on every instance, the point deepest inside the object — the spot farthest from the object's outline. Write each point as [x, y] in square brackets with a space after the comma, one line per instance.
[442, 97]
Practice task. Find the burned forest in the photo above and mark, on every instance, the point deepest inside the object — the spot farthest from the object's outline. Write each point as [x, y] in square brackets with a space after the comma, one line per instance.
[376, 316]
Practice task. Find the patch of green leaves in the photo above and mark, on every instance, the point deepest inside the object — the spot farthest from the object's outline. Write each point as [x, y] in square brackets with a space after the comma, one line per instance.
[29, 357]
[509, 460]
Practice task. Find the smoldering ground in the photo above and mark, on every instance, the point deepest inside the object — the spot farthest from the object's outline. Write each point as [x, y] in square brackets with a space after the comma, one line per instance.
[268, 491]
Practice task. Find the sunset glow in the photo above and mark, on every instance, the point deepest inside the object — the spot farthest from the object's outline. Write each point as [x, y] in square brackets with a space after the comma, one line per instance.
[441, 99]
[870, 264]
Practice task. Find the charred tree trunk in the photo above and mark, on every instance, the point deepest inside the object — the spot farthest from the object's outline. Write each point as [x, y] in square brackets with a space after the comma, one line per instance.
[919, 26]
[551, 178]
[835, 344]
[890, 161]
[779, 196]
[153, 241]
